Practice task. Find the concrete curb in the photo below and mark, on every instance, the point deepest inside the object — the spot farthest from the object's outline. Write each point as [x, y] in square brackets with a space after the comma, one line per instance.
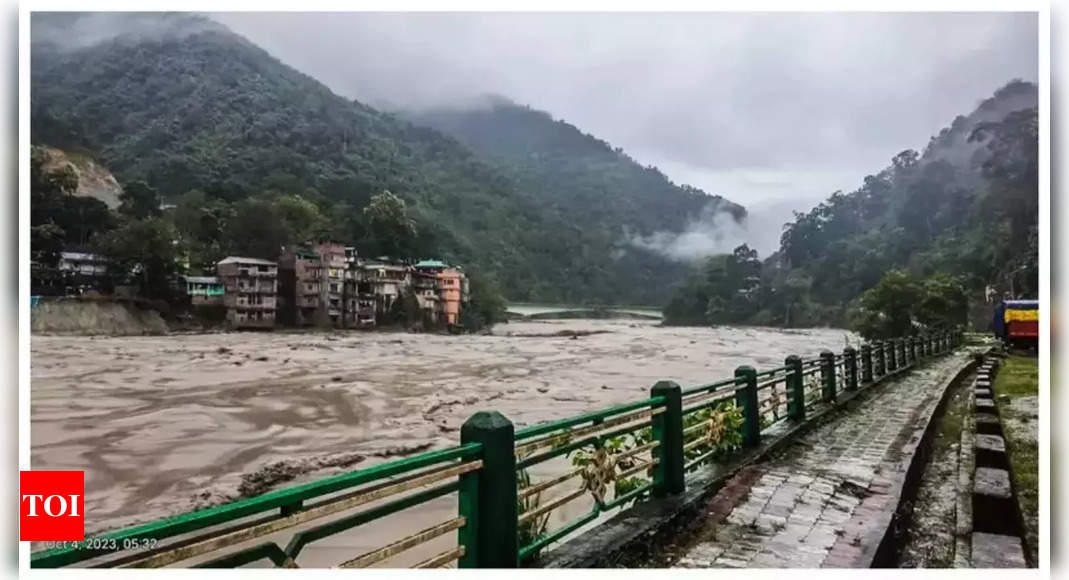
[880, 544]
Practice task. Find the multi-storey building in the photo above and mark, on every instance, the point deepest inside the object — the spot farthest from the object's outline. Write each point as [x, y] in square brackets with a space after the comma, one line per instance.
[334, 260]
[443, 289]
[386, 283]
[358, 299]
[311, 285]
[250, 286]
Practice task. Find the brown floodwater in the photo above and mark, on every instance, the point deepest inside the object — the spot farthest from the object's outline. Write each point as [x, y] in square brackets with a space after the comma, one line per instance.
[166, 424]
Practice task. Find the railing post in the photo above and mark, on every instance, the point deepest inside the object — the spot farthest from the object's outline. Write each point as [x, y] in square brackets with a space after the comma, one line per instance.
[866, 363]
[901, 344]
[850, 358]
[929, 345]
[881, 364]
[892, 357]
[827, 374]
[913, 349]
[668, 430]
[746, 398]
[795, 388]
[488, 495]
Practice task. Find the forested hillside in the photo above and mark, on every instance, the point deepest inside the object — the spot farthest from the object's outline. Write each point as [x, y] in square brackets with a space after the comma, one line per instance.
[255, 154]
[575, 175]
[964, 211]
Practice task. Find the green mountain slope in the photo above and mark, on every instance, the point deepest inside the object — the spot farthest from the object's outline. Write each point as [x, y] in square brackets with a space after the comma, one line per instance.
[967, 207]
[580, 179]
[572, 172]
[182, 103]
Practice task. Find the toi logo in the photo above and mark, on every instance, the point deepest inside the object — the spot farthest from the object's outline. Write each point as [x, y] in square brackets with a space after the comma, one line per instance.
[51, 506]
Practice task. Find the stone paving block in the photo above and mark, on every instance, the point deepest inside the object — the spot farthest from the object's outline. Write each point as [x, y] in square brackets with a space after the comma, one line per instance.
[743, 517]
[992, 482]
[984, 418]
[729, 563]
[768, 560]
[990, 443]
[778, 511]
[762, 490]
[769, 523]
[985, 404]
[834, 517]
[792, 534]
[983, 393]
[997, 551]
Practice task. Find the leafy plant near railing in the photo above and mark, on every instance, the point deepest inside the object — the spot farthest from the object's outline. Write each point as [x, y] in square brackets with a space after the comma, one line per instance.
[811, 387]
[731, 437]
[729, 441]
[533, 529]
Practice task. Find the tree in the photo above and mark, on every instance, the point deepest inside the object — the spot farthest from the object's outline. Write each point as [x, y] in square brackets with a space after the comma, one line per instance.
[46, 242]
[255, 228]
[944, 305]
[302, 218]
[392, 231]
[486, 307]
[147, 250]
[886, 310]
[59, 219]
[899, 305]
[139, 200]
[200, 221]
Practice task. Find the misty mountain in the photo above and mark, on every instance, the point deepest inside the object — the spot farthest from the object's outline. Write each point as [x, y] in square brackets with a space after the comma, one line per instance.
[967, 206]
[185, 105]
[574, 173]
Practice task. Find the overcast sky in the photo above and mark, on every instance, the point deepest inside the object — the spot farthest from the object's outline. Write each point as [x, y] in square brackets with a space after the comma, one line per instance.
[759, 108]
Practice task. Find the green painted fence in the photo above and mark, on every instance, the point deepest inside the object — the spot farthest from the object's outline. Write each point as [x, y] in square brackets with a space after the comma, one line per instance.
[619, 455]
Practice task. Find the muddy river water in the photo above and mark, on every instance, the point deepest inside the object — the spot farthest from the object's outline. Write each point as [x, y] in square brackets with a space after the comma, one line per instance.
[165, 424]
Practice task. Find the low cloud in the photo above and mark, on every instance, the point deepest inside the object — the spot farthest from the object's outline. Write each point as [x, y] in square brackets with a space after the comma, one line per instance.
[713, 232]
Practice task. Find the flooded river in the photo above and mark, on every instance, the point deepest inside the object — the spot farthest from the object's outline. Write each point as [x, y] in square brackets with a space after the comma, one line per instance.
[165, 424]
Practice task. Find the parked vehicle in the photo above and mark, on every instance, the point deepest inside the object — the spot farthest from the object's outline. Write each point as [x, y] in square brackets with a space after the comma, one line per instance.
[1016, 322]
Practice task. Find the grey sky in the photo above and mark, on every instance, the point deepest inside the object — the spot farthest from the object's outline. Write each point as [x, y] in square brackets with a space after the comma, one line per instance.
[760, 108]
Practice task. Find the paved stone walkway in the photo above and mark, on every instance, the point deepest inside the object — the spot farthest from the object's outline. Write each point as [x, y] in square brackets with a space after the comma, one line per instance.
[815, 503]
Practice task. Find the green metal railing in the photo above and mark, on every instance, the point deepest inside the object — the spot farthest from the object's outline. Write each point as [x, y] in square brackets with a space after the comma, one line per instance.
[618, 455]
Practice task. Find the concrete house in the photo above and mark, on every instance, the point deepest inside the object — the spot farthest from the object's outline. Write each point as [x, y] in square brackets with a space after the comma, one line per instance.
[311, 285]
[250, 289]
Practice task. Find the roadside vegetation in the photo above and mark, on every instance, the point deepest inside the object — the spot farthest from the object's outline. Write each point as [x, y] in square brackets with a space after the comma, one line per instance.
[1017, 388]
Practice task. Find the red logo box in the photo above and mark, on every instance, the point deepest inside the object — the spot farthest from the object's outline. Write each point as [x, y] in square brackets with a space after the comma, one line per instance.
[51, 506]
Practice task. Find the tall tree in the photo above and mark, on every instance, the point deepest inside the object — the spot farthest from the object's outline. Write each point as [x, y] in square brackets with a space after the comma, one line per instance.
[392, 232]
[146, 249]
[139, 200]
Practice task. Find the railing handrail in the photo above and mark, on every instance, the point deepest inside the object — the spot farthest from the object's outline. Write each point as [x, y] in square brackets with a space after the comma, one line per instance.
[550, 426]
[208, 517]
